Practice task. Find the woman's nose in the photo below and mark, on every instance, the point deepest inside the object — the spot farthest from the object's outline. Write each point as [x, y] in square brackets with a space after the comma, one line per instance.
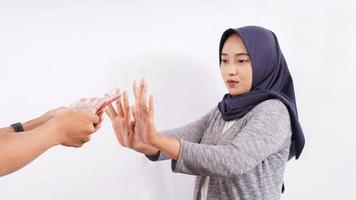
[232, 71]
[232, 74]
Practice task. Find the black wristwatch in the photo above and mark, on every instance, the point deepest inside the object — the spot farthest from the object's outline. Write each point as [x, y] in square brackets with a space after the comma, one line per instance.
[17, 127]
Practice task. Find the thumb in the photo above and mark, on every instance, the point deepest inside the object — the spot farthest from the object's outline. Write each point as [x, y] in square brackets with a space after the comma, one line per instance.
[95, 119]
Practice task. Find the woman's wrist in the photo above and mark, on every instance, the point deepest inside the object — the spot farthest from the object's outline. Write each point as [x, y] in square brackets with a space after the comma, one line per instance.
[167, 144]
[156, 140]
[146, 149]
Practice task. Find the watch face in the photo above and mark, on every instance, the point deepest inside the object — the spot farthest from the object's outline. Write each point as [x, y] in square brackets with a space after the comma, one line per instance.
[17, 127]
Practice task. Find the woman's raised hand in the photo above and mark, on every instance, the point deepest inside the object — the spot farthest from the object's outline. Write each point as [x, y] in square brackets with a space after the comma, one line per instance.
[143, 113]
[125, 127]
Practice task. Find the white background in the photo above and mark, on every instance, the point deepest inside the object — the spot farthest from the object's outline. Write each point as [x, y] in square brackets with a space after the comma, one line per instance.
[54, 52]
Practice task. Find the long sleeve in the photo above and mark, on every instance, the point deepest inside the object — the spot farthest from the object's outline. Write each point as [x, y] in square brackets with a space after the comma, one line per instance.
[192, 132]
[264, 133]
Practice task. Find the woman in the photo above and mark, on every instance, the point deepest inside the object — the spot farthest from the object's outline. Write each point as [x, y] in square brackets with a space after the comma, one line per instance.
[238, 150]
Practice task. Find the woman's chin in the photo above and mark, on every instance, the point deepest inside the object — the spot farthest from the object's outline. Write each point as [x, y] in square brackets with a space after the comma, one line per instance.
[236, 93]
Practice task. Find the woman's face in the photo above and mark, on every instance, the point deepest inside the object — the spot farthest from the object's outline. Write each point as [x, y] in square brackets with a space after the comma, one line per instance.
[236, 67]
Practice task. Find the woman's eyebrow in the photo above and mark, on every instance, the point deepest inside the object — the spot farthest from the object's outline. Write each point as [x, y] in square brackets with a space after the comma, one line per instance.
[241, 54]
[237, 54]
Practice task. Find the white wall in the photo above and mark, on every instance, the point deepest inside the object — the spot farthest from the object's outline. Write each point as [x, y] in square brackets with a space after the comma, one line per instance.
[54, 52]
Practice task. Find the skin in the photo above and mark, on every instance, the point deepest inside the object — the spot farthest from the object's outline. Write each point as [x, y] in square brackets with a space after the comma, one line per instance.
[140, 134]
[35, 122]
[236, 67]
[126, 127]
[68, 127]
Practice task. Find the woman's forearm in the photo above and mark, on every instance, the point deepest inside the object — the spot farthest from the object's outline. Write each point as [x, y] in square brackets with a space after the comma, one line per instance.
[168, 145]
[17, 150]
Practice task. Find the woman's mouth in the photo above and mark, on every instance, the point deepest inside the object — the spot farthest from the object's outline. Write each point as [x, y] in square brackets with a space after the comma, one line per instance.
[232, 83]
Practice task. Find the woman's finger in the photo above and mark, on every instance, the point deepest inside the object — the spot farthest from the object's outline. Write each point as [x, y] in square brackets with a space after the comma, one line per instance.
[119, 108]
[126, 133]
[151, 108]
[144, 98]
[133, 112]
[127, 107]
[139, 93]
[111, 112]
[132, 134]
[135, 90]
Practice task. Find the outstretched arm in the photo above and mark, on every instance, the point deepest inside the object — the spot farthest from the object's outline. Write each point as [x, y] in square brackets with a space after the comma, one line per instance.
[263, 135]
[70, 128]
[34, 123]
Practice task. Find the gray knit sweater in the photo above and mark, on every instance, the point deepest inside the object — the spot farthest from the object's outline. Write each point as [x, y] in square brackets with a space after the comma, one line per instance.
[247, 161]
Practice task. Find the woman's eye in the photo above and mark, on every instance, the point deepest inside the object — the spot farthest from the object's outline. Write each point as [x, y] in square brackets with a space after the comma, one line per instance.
[242, 61]
[224, 60]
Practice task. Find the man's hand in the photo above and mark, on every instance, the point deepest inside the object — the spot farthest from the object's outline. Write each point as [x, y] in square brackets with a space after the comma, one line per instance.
[52, 113]
[74, 127]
